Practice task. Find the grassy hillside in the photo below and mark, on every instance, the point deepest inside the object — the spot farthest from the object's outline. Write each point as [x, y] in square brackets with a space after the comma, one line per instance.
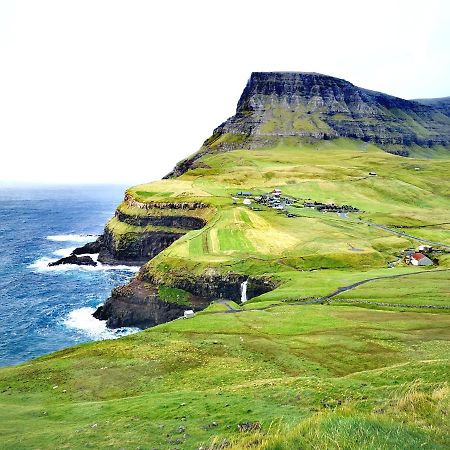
[368, 368]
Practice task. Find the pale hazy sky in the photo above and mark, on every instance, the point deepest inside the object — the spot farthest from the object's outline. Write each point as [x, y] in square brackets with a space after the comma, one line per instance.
[119, 91]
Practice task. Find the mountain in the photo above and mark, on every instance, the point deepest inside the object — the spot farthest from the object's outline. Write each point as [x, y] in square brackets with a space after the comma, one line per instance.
[295, 105]
[290, 235]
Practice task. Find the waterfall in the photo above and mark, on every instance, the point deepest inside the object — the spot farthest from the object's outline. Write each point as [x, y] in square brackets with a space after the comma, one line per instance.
[244, 291]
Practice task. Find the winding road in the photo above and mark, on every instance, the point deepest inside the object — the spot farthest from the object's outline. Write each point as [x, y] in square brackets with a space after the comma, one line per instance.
[400, 233]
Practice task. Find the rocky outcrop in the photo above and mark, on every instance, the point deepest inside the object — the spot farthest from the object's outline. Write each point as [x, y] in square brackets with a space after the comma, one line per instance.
[74, 259]
[277, 105]
[138, 304]
[89, 248]
[150, 232]
[134, 248]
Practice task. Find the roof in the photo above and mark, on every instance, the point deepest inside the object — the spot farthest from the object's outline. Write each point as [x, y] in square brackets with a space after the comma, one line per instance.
[418, 256]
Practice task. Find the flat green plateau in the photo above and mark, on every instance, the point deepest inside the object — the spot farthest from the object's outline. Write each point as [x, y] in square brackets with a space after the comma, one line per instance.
[367, 369]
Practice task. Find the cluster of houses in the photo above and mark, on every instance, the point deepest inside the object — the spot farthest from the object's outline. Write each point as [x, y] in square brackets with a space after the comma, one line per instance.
[330, 207]
[419, 257]
[273, 199]
[276, 200]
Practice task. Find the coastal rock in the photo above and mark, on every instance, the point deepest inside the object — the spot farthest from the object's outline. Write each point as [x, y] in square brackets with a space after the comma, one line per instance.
[74, 259]
[138, 304]
[134, 248]
[89, 248]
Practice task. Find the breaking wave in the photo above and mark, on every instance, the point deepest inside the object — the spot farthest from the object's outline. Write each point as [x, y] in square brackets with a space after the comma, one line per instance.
[72, 237]
[82, 320]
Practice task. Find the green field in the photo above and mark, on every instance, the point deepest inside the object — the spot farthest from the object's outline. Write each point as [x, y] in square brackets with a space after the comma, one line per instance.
[367, 368]
[204, 376]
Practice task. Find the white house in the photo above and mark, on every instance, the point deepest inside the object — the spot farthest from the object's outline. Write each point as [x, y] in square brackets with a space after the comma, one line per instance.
[425, 248]
[247, 202]
[419, 259]
[188, 314]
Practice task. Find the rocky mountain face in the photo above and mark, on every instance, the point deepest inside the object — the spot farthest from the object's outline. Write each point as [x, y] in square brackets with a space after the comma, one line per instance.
[277, 105]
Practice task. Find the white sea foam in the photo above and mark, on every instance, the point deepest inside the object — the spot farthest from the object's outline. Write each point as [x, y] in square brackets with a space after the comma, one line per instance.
[72, 237]
[41, 264]
[82, 320]
[63, 252]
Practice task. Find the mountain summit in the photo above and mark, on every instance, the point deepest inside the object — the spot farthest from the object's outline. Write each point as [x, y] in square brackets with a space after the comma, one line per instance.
[297, 105]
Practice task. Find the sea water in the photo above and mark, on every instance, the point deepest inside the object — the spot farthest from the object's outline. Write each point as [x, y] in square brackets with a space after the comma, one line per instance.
[43, 309]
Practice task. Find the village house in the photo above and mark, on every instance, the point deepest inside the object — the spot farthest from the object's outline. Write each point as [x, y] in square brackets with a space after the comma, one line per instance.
[419, 259]
[188, 314]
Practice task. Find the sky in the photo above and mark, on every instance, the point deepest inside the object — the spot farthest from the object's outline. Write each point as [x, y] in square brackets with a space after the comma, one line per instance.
[119, 91]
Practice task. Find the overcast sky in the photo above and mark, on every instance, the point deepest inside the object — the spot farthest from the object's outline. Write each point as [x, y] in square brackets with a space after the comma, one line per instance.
[119, 91]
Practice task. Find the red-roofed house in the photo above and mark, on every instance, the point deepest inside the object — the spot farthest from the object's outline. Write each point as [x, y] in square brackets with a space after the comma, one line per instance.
[419, 259]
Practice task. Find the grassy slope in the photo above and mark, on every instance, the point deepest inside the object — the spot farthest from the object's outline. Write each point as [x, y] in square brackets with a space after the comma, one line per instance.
[317, 376]
[260, 241]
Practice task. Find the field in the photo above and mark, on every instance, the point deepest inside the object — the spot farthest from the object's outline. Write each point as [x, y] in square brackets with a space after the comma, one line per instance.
[185, 382]
[349, 351]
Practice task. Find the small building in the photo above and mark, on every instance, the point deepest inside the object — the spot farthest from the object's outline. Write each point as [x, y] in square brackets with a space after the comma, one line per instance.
[247, 202]
[425, 248]
[276, 192]
[244, 194]
[188, 314]
[419, 259]
[373, 174]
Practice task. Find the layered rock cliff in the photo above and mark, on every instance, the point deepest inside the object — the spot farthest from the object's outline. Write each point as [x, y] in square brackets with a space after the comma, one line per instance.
[140, 231]
[277, 105]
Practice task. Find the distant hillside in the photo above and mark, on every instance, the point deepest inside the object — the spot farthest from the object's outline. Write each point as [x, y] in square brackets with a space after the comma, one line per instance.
[297, 105]
[442, 104]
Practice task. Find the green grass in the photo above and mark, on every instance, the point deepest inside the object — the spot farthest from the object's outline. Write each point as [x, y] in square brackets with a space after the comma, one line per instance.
[280, 367]
[432, 288]
[173, 295]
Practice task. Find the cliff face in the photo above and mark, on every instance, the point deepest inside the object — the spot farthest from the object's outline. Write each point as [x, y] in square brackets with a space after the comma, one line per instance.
[322, 107]
[141, 304]
[276, 105]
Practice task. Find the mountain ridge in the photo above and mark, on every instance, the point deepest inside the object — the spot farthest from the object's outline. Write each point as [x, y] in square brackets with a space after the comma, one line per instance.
[308, 105]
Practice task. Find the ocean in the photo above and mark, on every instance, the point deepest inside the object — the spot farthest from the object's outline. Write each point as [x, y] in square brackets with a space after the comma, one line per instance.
[45, 309]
